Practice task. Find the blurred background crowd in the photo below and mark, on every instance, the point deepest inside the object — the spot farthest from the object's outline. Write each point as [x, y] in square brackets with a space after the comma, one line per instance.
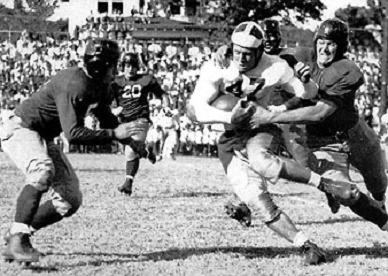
[30, 61]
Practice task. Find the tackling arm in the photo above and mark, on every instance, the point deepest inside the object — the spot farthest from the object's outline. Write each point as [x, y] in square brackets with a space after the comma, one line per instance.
[302, 90]
[308, 114]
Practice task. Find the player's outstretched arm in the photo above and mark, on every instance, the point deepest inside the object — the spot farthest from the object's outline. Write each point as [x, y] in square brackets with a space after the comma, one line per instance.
[308, 114]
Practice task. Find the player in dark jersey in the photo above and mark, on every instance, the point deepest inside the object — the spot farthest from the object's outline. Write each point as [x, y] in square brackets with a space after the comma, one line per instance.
[27, 138]
[335, 134]
[132, 93]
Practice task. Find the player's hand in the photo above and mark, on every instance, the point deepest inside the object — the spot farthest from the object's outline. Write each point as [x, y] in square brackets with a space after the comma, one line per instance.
[117, 111]
[302, 72]
[277, 108]
[221, 57]
[242, 111]
[253, 88]
[261, 117]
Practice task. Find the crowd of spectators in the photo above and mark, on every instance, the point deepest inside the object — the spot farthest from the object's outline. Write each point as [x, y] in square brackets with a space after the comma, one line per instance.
[28, 63]
[368, 97]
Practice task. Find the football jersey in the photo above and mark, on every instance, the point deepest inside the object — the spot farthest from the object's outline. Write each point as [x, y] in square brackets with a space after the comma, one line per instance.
[292, 56]
[62, 103]
[338, 83]
[133, 94]
[273, 70]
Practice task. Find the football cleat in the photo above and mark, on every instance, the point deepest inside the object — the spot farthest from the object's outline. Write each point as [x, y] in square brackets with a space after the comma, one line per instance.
[19, 249]
[239, 212]
[126, 188]
[151, 155]
[313, 255]
[333, 203]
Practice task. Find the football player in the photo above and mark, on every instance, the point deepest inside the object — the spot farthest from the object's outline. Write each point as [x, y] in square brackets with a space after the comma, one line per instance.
[281, 100]
[27, 137]
[132, 93]
[253, 75]
[335, 134]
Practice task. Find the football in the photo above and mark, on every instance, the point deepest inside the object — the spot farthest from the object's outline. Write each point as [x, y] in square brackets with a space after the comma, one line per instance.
[225, 102]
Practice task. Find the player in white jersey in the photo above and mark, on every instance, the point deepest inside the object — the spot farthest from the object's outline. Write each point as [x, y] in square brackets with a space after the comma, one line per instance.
[250, 158]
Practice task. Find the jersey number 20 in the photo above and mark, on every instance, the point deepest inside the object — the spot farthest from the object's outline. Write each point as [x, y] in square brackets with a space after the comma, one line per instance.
[132, 91]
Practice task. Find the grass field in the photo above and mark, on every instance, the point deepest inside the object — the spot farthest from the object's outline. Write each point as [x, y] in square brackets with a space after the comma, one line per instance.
[175, 224]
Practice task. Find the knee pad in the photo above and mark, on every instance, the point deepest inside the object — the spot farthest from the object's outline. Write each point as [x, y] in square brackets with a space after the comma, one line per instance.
[40, 174]
[66, 204]
[354, 195]
[130, 154]
[66, 208]
[75, 205]
[267, 165]
[264, 208]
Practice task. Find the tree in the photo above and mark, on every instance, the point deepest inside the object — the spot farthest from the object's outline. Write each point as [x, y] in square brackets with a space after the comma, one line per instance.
[42, 9]
[256, 10]
[243, 10]
[359, 17]
[365, 22]
[29, 14]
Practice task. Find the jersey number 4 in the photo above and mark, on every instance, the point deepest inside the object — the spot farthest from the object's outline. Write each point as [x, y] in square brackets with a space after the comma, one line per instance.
[132, 91]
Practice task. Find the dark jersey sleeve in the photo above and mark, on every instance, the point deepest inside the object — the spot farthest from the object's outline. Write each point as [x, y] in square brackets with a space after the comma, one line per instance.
[343, 77]
[340, 81]
[297, 102]
[71, 110]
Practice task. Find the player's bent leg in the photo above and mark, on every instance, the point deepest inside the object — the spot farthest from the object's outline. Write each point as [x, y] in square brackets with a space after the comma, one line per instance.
[362, 205]
[284, 227]
[38, 167]
[131, 169]
[369, 210]
[251, 189]
[331, 165]
[363, 141]
[236, 170]
[66, 197]
[262, 150]
[54, 210]
[139, 129]
[242, 184]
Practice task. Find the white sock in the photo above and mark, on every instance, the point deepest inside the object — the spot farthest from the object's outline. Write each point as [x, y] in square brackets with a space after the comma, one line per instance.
[128, 177]
[299, 239]
[315, 179]
[17, 227]
[32, 229]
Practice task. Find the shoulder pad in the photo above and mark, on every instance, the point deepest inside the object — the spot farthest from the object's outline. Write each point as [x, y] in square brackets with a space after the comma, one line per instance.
[343, 70]
[213, 73]
[341, 77]
[276, 71]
